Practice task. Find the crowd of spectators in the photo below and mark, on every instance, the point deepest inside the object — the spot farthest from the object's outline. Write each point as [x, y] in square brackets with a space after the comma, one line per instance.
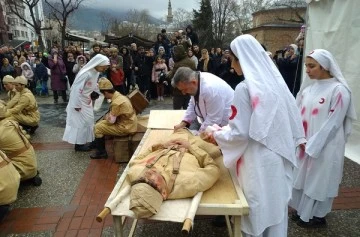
[132, 65]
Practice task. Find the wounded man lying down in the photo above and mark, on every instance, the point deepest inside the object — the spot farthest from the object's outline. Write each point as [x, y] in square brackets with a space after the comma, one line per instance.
[178, 168]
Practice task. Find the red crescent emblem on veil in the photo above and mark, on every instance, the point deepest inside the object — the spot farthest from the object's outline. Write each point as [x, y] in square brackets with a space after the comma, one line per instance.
[322, 100]
[234, 112]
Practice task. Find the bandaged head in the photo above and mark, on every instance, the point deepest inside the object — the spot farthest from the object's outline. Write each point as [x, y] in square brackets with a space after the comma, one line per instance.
[145, 201]
[105, 84]
[21, 80]
[8, 79]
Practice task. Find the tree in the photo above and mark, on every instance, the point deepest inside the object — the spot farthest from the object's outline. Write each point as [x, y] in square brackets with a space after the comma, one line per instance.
[17, 8]
[182, 18]
[223, 17]
[203, 22]
[135, 23]
[61, 10]
[106, 21]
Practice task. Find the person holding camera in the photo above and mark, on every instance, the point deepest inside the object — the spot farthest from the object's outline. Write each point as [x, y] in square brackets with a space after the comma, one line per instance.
[159, 72]
[289, 66]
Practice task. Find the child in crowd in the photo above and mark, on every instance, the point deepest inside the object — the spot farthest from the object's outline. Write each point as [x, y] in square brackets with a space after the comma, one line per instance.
[41, 78]
[158, 76]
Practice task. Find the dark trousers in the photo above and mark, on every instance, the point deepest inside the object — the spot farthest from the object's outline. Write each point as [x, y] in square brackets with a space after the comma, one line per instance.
[63, 95]
[121, 89]
[180, 102]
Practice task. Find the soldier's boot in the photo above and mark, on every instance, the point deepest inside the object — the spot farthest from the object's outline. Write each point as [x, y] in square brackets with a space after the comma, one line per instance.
[100, 152]
[33, 129]
[4, 210]
[36, 181]
[92, 145]
[82, 148]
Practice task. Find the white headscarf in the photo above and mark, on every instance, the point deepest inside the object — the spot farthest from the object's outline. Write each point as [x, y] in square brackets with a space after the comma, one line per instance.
[328, 62]
[97, 60]
[275, 121]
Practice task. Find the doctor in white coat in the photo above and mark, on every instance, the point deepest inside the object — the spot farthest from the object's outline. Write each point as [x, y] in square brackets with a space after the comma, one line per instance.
[80, 115]
[210, 101]
[260, 141]
[327, 112]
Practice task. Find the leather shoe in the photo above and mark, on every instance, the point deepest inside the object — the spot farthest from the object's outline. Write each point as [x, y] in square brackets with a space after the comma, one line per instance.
[81, 147]
[99, 155]
[316, 222]
[294, 216]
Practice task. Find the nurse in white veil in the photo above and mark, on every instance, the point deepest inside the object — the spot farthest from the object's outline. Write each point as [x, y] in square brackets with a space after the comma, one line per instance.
[260, 141]
[80, 115]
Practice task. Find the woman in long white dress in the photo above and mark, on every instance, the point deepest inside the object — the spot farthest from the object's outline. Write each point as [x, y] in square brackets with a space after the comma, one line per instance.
[80, 115]
[259, 143]
[327, 112]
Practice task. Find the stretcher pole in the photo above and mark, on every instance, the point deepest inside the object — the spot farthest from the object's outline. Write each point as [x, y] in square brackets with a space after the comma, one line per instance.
[113, 203]
[189, 219]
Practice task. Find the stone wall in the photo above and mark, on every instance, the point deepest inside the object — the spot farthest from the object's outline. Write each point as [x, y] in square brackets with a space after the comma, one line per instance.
[273, 16]
[274, 38]
[275, 34]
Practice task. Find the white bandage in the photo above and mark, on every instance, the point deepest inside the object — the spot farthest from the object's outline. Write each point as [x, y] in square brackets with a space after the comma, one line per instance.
[111, 118]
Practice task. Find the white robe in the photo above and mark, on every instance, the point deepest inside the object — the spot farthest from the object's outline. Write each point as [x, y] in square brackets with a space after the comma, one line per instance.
[323, 106]
[264, 175]
[215, 99]
[80, 124]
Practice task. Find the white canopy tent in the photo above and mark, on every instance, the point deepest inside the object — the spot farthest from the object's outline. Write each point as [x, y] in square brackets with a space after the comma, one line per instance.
[334, 25]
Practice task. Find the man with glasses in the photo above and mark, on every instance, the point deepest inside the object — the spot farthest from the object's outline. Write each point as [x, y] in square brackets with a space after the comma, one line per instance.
[210, 101]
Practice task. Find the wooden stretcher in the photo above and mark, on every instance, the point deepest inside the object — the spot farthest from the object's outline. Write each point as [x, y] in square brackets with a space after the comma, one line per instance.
[224, 198]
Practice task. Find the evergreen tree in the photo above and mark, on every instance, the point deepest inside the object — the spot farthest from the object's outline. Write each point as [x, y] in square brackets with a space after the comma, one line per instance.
[202, 23]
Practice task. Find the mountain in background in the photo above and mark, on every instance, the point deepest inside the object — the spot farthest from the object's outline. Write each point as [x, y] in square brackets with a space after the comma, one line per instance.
[89, 19]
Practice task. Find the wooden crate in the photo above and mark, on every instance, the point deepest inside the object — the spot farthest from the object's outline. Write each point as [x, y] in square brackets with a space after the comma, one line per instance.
[138, 101]
[125, 146]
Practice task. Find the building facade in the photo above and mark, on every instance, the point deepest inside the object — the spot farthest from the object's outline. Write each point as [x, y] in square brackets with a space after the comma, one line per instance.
[18, 29]
[275, 28]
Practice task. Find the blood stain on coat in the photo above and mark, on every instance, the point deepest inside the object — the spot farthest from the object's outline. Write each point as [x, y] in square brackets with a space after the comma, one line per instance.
[238, 163]
[255, 102]
[305, 125]
[315, 111]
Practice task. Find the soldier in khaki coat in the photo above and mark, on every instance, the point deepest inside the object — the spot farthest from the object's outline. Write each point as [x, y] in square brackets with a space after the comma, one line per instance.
[13, 94]
[25, 112]
[9, 184]
[151, 174]
[121, 119]
[15, 144]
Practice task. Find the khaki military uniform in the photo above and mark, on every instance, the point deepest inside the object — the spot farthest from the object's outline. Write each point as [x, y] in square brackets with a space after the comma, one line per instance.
[9, 180]
[14, 97]
[26, 110]
[197, 172]
[126, 120]
[18, 149]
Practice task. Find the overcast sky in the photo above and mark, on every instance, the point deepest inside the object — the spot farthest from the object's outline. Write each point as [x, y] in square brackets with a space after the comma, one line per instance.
[157, 8]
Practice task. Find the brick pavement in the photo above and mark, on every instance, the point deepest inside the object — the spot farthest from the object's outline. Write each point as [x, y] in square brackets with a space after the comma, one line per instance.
[78, 218]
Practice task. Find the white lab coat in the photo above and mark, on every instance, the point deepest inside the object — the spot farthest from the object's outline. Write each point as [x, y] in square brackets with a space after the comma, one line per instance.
[264, 175]
[215, 99]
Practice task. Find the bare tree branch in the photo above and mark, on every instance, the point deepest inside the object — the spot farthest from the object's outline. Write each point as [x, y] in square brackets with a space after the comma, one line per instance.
[17, 7]
[61, 10]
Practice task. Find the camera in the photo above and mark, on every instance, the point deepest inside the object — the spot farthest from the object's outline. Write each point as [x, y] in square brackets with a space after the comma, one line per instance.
[162, 76]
